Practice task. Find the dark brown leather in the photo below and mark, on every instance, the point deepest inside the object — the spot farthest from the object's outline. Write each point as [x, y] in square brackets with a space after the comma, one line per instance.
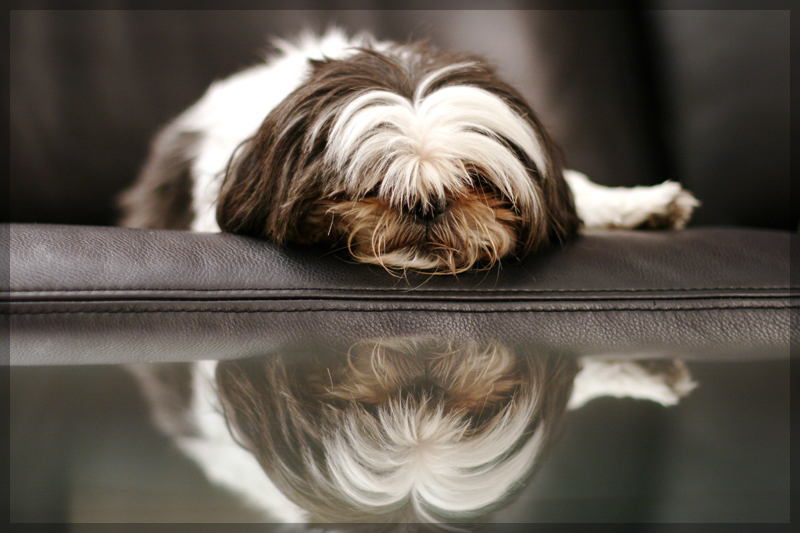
[724, 80]
[112, 295]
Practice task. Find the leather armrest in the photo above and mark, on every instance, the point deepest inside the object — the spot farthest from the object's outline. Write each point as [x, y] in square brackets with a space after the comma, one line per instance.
[113, 295]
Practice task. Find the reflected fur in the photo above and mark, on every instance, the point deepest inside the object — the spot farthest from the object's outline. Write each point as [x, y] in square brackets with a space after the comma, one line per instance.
[398, 431]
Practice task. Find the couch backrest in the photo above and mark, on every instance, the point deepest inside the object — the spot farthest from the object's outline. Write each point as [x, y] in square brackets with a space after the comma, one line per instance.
[633, 97]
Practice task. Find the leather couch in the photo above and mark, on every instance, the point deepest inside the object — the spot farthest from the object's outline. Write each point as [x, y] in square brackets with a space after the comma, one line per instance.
[632, 97]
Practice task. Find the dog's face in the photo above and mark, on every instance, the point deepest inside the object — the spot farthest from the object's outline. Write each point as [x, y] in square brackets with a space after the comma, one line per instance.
[411, 158]
[398, 431]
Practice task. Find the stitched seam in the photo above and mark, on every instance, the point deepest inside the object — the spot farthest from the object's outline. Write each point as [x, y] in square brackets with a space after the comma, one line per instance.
[314, 310]
[454, 300]
[318, 289]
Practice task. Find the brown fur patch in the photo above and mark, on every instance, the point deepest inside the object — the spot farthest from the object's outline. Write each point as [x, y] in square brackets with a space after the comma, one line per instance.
[478, 228]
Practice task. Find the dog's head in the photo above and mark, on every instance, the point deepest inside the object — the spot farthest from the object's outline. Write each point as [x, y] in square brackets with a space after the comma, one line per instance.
[398, 431]
[410, 157]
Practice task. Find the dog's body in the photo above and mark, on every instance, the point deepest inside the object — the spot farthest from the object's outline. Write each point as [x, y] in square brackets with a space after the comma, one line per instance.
[412, 159]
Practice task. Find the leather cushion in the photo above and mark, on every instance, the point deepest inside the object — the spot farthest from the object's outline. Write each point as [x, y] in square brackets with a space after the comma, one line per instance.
[111, 295]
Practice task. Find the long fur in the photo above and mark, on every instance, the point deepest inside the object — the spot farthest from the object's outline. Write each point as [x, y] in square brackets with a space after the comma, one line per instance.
[410, 157]
[407, 156]
[391, 431]
[413, 159]
[392, 134]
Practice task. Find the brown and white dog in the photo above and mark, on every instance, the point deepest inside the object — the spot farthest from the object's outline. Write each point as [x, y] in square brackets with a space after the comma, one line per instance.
[410, 157]
[413, 159]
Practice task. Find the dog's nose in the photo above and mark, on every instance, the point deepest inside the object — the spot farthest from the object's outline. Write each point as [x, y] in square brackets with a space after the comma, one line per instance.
[427, 211]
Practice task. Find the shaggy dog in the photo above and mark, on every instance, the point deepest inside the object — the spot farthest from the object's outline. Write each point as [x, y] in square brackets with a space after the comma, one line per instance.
[410, 157]
[414, 159]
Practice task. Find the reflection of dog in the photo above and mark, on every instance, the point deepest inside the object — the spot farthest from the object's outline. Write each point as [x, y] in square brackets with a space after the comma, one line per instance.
[410, 157]
[398, 431]
[393, 431]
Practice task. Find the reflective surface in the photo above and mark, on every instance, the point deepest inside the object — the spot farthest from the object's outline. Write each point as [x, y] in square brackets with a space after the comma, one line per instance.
[399, 430]
[84, 449]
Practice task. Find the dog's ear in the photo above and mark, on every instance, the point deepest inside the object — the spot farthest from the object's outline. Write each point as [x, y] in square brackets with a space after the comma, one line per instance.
[665, 381]
[562, 218]
[272, 177]
[557, 219]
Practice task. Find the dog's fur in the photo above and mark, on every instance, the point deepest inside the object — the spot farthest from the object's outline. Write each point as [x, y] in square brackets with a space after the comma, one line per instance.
[413, 159]
[409, 157]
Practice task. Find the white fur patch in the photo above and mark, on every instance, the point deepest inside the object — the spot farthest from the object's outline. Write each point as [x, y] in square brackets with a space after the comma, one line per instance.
[626, 378]
[628, 207]
[226, 463]
[415, 150]
[422, 454]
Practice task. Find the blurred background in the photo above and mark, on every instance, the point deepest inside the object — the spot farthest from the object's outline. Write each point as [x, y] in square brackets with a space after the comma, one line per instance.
[633, 97]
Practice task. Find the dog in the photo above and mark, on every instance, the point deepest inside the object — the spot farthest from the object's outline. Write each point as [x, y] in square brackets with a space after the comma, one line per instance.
[409, 157]
[414, 159]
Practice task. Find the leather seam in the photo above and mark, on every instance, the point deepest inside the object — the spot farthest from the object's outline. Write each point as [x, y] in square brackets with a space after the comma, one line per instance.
[458, 290]
[462, 311]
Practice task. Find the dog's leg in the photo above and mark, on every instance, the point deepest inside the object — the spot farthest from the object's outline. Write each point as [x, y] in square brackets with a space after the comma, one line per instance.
[661, 206]
[665, 381]
[185, 406]
[224, 461]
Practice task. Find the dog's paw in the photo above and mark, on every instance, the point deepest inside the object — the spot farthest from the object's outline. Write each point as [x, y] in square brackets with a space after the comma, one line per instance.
[667, 205]
[671, 206]
[665, 381]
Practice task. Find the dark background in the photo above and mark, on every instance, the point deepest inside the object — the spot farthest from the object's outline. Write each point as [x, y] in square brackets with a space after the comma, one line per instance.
[633, 97]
